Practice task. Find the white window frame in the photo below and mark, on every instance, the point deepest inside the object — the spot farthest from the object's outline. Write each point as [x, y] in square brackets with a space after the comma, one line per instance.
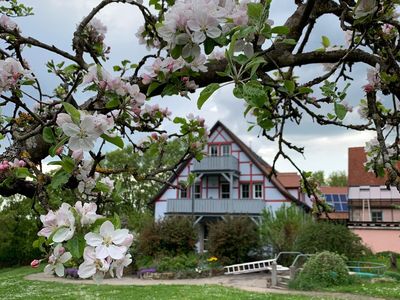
[229, 190]
[186, 191]
[210, 152]
[197, 194]
[377, 211]
[226, 146]
[241, 190]
[254, 190]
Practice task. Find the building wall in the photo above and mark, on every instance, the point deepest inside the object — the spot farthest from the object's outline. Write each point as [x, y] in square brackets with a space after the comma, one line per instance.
[388, 215]
[380, 239]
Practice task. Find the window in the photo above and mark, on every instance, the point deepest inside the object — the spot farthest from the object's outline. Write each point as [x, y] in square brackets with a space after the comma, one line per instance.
[183, 194]
[213, 150]
[257, 191]
[376, 216]
[197, 191]
[245, 188]
[226, 150]
[225, 191]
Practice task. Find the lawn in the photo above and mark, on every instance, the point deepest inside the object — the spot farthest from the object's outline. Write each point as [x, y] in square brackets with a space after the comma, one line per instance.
[14, 286]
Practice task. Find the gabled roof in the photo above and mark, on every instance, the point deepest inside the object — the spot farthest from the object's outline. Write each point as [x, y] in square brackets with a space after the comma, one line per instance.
[358, 176]
[289, 180]
[264, 167]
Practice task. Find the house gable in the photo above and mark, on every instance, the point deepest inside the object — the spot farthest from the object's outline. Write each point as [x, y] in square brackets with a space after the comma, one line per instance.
[253, 170]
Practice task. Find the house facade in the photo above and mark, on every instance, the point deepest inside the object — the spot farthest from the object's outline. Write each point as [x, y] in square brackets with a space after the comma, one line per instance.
[374, 210]
[230, 180]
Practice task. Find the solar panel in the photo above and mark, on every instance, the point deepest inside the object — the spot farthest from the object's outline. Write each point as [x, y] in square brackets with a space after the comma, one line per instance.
[338, 201]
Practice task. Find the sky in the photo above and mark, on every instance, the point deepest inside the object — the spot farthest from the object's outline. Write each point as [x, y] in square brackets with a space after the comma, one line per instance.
[325, 147]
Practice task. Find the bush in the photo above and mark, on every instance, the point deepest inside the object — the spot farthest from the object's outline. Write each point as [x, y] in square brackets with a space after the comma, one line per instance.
[393, 275]
[323, 270]
[281, 228]
[18, 231]
[167, 237]
[177, 263]
[326, 236]
[232, 240]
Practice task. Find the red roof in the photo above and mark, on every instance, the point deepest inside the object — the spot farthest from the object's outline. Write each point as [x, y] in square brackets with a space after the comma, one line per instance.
[334, 189]
[357, 174]
[289, 180]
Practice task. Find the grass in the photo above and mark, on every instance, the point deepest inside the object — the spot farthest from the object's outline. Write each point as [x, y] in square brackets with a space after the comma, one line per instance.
[14, 286]
[387, 290]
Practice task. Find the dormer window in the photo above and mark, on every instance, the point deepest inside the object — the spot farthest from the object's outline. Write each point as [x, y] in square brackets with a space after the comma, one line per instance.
[213, 150]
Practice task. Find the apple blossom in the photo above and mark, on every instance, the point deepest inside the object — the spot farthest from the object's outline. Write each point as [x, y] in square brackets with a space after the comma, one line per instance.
[57, 261]
[87, 212]
[11, 71]
[108, 242]
[92, 266]
[119, 265]
[7, 23]
[60, 223]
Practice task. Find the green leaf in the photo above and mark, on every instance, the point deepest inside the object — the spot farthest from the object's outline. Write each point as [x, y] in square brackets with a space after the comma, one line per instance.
[60, 178]
[23, 173]
[209, 45]
[39, 243]
[305, 90]
[116, 221]
[72, 111]
[254, 11]
[340, 111]
[48, 135]
[152, 87]
[116, 140]
[238, 91]
[206, 93]
[267, 124]
[325, 41]
[76, 245]
[177, 51]
[254, 93]
[117, 68]
[290, 41]
[102, 187]
[68, 164]
[290, 86]
[179, 120]
[113, 103]
[281, 30]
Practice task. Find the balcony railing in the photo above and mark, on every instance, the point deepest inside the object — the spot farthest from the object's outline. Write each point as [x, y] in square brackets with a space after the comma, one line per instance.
[215, 206]
[217, 164]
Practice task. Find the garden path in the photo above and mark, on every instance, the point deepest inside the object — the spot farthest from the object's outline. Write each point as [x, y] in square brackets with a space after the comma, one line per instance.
[247, 282]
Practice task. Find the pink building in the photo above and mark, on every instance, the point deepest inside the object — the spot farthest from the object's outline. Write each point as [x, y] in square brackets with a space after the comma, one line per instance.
[230, 180]
[374, 210]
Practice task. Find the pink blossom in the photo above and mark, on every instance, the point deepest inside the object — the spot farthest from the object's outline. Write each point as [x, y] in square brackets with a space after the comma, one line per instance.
[7, 23]
[11, 72]
[35, 263]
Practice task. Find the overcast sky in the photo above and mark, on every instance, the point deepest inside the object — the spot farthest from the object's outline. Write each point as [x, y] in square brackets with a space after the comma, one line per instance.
[325, 147]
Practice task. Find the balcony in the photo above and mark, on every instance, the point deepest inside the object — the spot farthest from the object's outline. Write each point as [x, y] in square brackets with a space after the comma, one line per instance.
[215, 206]
[216, 164]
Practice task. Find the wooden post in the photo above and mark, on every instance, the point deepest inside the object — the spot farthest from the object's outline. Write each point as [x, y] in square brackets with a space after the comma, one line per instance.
[292, 270]
[274, 275]
[393, 261]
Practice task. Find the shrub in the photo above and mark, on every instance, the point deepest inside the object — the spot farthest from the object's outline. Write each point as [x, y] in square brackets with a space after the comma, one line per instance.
[177, 263]
[393, 275]
[326, 236]
[231, 240]
[281, 228]
[325, 269]
[167, 237]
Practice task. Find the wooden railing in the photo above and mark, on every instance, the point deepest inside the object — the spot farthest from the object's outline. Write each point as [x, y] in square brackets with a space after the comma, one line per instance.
[216, 163]
[215, 206]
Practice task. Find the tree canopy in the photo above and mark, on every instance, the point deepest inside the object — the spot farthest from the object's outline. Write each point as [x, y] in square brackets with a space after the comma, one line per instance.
[192, 44]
